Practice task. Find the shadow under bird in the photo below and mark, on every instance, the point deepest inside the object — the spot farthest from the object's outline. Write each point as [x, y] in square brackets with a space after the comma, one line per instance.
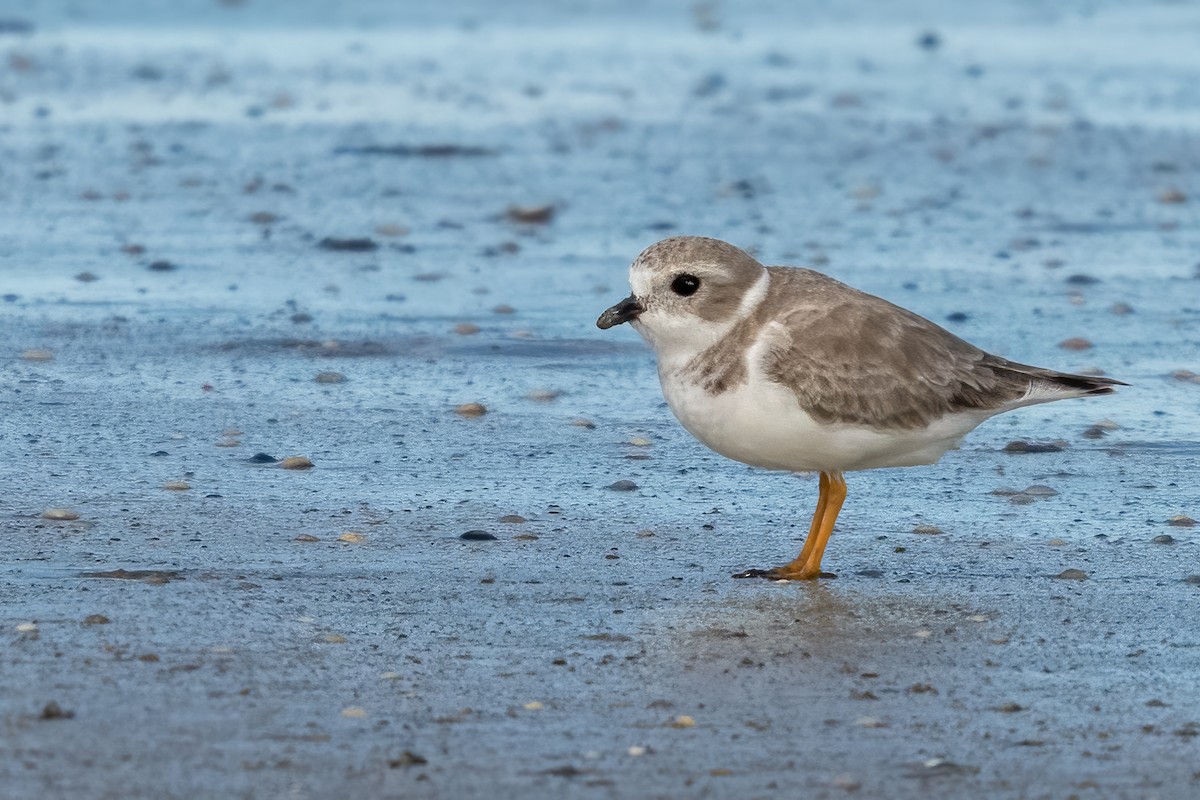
[787, 369]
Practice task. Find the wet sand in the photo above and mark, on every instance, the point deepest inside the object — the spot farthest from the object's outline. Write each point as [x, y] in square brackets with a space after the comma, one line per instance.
[224, 234]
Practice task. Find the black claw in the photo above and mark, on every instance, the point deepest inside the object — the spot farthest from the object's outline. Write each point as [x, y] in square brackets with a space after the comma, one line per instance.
[758, 573]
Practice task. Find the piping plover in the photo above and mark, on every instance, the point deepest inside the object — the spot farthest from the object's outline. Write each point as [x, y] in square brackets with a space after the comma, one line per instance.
[785, 368]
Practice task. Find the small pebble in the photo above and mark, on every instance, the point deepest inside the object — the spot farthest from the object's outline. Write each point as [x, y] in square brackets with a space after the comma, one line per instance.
[1172, 196]
[471, 410]
[330, 377]
[504, 308]
[513, 519]
[622, 486]
[1040, 490]
[1076, 343]
[353, 537]
[1022, 499]
[1010, 708]
[96, 619]
[53, 711]
[1194, 580]
[533, 706]
[37, 354]
[407, 759]
[60, 514]
[87, 277]
[927, 530]
[478, 536]
[683, 721]
[584, 423]
[296, 462]
[636, 750]
[1072, 575]
[1163, 538]
[362, 245]
[545, 395]
[1120, 309]
[305, 537]
[354, 712]
[1186, 376]
[162, 266]
[870, 722]
[467, 329]
[530, 215]
[1181, 521]
[639, 441]
[262, 458]
[177, 486]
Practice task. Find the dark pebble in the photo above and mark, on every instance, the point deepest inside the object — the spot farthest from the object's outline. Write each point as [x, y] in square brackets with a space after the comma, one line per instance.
[1163, 538]
[348, 245]
[929, 40]
[262, 458]
[957, 316]
[1095, 432]
[159, 453]
[407, 759]
[1080, 279]
[1194, 580]
[1023, 446]
[162, 266]
[623, 486]
[54, 711]
[417, 151]
[478, 536]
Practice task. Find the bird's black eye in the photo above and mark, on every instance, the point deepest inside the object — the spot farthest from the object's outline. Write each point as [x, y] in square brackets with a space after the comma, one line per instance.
[685, 285]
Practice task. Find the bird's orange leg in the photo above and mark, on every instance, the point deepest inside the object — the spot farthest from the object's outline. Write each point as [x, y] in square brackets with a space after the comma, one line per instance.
[807, 565]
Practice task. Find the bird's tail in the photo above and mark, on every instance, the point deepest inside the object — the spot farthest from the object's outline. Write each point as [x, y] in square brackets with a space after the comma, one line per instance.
[1047, 384]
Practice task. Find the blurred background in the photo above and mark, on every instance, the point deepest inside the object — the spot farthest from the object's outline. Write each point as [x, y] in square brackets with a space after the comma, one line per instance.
[377, 235]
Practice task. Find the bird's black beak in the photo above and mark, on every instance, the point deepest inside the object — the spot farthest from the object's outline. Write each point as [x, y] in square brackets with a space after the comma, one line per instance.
[624, 311]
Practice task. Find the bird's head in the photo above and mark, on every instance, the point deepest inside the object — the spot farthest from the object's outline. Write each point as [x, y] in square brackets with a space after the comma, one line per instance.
[688, 291]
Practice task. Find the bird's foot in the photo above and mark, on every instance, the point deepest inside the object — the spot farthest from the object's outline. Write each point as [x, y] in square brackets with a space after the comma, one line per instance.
[787, 573]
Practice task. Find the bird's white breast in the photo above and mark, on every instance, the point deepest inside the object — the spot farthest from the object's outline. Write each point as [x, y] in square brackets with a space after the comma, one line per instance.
[760, 422]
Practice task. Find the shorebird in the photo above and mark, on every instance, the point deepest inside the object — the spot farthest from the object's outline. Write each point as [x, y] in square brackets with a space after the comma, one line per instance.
[787, 369]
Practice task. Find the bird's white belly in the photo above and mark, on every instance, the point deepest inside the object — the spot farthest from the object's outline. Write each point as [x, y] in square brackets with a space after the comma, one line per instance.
[760, 423]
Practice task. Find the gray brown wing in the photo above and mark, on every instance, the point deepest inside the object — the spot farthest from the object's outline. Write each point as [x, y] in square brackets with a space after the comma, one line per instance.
[854, 358]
